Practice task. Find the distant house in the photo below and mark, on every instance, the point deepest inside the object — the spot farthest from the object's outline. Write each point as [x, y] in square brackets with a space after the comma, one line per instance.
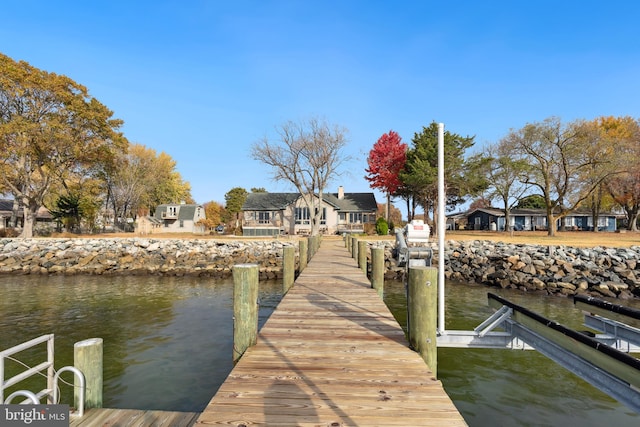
[173, 218]
[535, 219]
[44, 219]
[267, 214]
[148, 225]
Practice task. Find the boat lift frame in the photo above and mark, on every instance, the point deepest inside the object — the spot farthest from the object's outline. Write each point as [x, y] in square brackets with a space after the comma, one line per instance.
[600, 359]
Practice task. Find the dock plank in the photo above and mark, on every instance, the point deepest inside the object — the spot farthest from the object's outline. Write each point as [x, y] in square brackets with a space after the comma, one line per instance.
[331, 354]
[105, 417]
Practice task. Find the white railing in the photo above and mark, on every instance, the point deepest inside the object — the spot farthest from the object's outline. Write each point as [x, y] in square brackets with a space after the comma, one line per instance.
[36, 370]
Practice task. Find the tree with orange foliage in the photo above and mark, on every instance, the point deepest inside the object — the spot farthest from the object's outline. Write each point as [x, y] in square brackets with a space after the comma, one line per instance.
[214, 212]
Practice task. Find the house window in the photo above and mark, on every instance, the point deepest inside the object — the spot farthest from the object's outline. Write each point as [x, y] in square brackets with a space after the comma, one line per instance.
[264, 217]
[181, 223]
[323, 216]
[303, 216]
[172, 210]
[355, 217]
[342, 216]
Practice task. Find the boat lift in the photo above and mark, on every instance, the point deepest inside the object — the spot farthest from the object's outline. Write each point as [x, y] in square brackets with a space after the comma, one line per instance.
[602, 359]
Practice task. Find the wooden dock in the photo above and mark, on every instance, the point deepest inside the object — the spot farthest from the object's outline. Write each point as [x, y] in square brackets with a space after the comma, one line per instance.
[331, 354]
[134, 418]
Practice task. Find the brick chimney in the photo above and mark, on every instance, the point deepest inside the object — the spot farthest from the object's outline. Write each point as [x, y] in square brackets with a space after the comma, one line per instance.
[340, 192]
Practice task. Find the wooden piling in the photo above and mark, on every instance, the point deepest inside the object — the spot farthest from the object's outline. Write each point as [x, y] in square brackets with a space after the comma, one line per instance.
[354, 248]
[362, 256]
[288, 268]
[422, 312]
[377, 270]
[304, 253]
[245, 308]
[88, 358]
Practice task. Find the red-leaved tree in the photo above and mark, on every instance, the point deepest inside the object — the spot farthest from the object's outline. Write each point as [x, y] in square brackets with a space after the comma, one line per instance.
[386, 160]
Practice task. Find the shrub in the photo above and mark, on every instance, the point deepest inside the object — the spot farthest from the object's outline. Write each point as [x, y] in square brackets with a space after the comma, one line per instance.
[382, 228]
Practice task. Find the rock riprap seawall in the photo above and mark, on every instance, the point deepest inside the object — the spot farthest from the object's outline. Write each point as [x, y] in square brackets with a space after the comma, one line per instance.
[558, 270]
[172, 257]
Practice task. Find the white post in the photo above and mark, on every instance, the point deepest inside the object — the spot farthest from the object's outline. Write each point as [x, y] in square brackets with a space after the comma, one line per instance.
[441, 228]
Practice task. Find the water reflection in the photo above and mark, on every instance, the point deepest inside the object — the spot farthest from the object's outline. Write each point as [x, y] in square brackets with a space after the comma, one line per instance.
[167, 340]
[167, 344]
[514, 388]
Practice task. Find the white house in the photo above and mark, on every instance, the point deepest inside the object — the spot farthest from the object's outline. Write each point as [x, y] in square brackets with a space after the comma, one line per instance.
[265, 214]
[173, 218]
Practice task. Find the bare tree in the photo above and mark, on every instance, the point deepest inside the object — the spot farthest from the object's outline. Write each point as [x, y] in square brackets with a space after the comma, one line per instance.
[505, 175]
[308, 156]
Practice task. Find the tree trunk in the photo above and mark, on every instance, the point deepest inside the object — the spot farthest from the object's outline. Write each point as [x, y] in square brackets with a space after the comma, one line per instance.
[30, 212]
[551, 224]
[13, 222]
[387, 213]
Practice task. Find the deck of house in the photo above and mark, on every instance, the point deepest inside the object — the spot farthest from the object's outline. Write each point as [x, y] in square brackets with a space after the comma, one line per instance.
[331, 354]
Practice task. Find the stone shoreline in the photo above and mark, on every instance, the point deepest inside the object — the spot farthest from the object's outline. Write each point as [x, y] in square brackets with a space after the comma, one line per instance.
[138, 256]
[561, 270]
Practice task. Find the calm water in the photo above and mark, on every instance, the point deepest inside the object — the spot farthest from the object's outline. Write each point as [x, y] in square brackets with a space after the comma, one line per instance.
[167, 344]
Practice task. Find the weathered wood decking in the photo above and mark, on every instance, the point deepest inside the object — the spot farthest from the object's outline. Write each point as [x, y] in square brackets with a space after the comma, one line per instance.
[331, 354]
[134, 418]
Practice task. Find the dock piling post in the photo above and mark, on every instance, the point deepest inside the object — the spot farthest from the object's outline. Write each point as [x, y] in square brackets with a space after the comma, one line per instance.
[87, 357]
[288, 268]
[362, 256]
[245, 308]
[354, 248]
[304, 253]
[377, 270]
[422, 310]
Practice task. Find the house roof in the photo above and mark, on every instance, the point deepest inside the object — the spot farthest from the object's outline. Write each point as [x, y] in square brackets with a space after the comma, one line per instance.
[151, 219]
[185, 211]
[6, 209]
[6, 205]
[269, 201]
[360, 202]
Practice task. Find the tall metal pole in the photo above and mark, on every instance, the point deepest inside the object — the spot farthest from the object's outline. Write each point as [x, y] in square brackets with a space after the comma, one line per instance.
[441, 228]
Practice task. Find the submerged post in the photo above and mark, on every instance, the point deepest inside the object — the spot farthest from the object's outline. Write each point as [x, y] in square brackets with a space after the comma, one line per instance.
[362, 255]
[422, 311]
[245, 308]
[304, 252]
[288, 268]
[87, 357]
[377, 270]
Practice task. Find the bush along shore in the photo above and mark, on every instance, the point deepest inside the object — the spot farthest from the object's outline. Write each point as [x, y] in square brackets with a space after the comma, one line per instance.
[559, 270]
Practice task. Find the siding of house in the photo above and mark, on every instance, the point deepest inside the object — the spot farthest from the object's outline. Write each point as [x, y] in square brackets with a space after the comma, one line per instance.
[180, 218]
[535, 219]
[275, 213]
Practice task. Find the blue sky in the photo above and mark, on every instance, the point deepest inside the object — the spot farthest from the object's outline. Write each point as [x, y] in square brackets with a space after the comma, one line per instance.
[204, 80]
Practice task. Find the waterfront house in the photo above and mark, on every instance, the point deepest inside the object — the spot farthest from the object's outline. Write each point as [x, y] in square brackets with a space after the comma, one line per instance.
[534, 219]
[44, 219]
[266, 214]
[173, 218]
